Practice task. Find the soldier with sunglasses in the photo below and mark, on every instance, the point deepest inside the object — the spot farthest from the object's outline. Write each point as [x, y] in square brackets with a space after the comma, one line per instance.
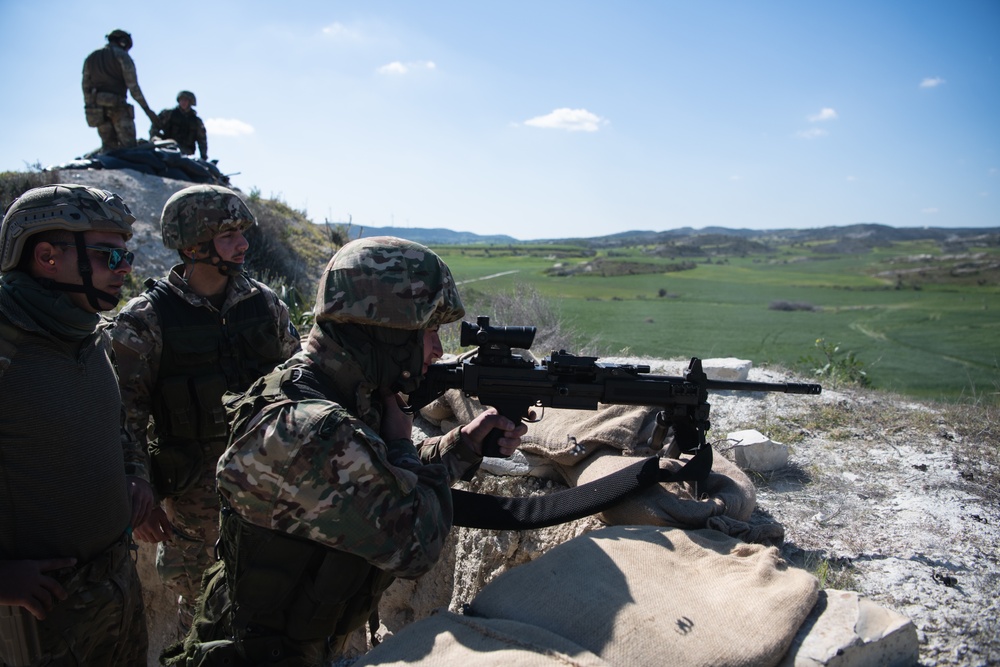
[72, 481]
[201, 331]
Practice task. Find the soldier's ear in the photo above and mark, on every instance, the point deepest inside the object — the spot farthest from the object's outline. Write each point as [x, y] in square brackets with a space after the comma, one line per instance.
[45, 256]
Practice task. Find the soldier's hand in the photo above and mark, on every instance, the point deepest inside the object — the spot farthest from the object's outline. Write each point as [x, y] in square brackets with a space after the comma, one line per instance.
[476, 431]
[140, 494]
[23, 584]
[156, 528]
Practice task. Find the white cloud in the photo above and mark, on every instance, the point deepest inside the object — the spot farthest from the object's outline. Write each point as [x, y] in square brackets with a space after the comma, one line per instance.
[826, 113]
[572, 120]
[736, 177]
[228, 127]
[851, 179]
[931, 82]
[811, 133]
[398, 68]
[929, 211]
[342, 33]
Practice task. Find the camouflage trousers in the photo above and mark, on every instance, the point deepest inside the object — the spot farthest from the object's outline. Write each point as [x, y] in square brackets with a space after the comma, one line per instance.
[103, 621]
[117, 128]
[183, 559]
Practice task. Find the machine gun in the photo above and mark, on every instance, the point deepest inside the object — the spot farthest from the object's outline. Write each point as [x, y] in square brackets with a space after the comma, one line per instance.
[514, 385]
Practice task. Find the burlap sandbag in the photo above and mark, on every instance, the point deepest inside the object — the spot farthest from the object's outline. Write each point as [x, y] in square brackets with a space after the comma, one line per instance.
[582, 446]
[450, 640]
[644, 595]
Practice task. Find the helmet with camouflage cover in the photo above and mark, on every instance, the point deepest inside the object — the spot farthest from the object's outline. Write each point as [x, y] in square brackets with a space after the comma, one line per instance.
[71, 208]
[388, 282]
[120, 37]
[199, 213]
[189, 95]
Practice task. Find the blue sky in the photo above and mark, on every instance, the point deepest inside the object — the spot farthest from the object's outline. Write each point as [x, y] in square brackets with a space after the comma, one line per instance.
[551, 119]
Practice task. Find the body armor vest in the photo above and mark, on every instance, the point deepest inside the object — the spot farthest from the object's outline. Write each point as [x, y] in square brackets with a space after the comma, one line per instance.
[183, 128]
[105, 72]
[204, 355]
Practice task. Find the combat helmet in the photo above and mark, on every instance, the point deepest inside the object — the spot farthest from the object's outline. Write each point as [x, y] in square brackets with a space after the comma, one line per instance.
[199, 213]
[71, 208]
[119, 36]
[386, 281]
[188, 94]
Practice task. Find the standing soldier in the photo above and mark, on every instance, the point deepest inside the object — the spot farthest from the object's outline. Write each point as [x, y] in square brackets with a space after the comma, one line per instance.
[183, 126]
[71, 480]
[203, 330]
[107, 74]
[325, 497]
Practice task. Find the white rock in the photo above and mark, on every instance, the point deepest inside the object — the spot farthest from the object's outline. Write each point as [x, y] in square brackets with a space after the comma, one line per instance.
[752, 450]
[847, 630]
[727, 368]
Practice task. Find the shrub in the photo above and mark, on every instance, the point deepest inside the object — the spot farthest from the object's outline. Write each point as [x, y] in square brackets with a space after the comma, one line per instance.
[836, 364]
[792, 305]
[15, 183]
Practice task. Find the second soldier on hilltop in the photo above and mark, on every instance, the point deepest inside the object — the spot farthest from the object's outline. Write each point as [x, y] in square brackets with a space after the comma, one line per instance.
[183, 125]
[203, 330]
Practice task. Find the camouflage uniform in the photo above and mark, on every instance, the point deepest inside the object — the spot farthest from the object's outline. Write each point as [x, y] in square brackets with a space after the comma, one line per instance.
[64, 462]
[107, 74]
[234, 345]
[319, 512]
[183, 126]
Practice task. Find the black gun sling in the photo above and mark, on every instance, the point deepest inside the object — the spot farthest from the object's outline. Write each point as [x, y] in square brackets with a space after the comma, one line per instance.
[477, 510]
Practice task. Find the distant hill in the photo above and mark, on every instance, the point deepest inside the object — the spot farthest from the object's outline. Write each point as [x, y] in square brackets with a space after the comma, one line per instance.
[845, 238]
[435, 236]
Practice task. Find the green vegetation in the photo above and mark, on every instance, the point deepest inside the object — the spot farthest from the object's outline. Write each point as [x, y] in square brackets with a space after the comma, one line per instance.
[918, 317]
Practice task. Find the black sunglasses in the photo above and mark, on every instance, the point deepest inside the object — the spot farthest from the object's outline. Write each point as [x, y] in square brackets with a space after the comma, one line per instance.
[115, 255]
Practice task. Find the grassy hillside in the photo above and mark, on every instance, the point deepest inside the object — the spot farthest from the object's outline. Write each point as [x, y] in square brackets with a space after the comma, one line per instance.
[919, 317]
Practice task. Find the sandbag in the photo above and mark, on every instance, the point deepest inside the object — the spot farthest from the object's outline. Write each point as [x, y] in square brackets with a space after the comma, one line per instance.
[645, 595]
[449, 640]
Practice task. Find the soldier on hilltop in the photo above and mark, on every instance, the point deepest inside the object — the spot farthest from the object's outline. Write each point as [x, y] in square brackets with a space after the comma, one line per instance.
[109, 73]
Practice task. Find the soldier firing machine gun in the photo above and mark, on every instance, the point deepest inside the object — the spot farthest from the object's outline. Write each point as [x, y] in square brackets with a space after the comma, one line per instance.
[514, 385]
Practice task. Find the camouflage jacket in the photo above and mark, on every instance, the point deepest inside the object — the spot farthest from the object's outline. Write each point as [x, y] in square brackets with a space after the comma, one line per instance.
[312, 469]
[111, 70]
[138, 343]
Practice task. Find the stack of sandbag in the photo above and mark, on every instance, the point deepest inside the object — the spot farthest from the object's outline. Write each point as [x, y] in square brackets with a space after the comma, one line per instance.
[623, 595]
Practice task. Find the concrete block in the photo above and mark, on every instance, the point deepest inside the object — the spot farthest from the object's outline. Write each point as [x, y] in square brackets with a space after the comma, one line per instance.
[847, 630]
[752, 450]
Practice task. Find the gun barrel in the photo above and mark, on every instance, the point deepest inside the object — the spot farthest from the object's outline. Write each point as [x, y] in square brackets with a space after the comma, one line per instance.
[780, 387]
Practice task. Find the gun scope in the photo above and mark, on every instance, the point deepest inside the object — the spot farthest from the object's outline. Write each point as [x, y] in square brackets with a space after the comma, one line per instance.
[482, 334]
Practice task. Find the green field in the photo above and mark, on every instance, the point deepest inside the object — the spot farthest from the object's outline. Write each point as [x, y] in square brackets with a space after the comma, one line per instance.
[922, 322]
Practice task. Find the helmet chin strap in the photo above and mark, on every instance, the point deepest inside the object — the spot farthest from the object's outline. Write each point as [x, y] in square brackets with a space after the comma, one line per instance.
[214, 259]
[86, 271]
